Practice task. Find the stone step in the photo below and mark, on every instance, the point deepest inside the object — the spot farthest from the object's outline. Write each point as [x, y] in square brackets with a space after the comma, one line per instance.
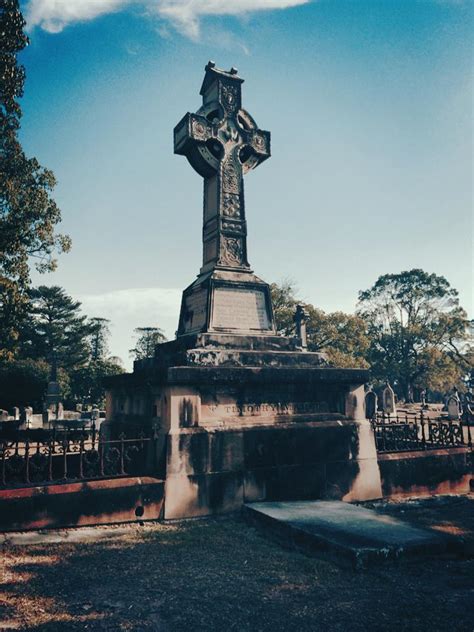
[347, 534]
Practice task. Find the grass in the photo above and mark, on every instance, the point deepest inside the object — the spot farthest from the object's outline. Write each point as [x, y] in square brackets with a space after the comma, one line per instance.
[219, 574]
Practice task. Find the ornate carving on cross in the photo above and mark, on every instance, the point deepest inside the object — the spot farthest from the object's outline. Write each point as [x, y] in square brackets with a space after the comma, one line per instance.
[222, 142]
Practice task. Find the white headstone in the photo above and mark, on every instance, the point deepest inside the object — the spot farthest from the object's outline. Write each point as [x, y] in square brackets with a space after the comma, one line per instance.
[454, 407]
[388, 401]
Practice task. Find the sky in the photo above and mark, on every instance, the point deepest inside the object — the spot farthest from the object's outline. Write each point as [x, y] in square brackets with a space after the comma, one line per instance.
[369, 104]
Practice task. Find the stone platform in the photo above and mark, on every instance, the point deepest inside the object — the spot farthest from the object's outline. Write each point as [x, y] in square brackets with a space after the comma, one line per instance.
[347, 533]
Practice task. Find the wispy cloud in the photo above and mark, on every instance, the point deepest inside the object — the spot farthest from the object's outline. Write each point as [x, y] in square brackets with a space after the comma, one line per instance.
[184, 15]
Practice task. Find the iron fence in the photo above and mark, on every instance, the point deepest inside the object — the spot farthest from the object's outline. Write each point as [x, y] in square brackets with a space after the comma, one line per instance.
[68, 456]
[418, 431]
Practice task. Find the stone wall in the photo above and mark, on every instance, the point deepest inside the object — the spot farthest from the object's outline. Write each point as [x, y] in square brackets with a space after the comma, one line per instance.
[218, 470]
[444, 471]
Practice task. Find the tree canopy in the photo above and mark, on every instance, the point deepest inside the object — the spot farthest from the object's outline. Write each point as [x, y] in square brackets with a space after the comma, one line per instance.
[341, 336]
[56, 330]
[419, 334]
[148, 338]
[28, 213]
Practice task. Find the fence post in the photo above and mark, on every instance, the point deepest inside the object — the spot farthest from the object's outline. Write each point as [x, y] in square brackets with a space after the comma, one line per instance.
[423, 436]
[50, 457]
[65, 447]
[81, 454]
[122, 447]
[4, 449]
[27, 460]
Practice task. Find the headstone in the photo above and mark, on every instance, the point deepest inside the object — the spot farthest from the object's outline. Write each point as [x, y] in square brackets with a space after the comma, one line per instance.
[15, 413]
[46, 418]
[423, 398]
[300, 318]
[53, 394]
[388, 401]
[370, 404]
[454, 406]
[26, 414]
[4, 416]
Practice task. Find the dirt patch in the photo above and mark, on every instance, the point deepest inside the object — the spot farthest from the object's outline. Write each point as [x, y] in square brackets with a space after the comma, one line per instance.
[219, 575]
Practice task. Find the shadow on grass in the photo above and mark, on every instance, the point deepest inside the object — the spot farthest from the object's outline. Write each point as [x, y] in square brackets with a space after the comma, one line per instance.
[221, 575]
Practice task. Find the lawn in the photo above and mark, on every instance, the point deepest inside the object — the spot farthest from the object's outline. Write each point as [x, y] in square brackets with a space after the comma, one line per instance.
[219, 574]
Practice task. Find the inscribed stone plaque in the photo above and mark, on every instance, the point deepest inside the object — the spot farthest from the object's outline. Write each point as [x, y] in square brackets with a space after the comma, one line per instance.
[237, 308]
[196, 308]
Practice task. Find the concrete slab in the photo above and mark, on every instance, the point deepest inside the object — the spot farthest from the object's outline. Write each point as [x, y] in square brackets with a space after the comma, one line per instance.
[347, 533]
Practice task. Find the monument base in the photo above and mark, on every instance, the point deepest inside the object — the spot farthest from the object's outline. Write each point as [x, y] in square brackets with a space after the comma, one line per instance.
[237, 428]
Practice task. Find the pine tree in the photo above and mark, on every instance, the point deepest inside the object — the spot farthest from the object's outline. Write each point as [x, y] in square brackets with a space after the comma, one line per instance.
[56, 330]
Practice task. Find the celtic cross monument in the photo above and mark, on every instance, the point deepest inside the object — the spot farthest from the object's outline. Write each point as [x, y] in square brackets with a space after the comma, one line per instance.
[222, 143]
[241, 413]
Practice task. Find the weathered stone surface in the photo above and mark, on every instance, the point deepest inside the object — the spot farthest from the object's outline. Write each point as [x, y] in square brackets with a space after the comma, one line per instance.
[278, 462]
[439, 471]
[346, 533]
[84, 503]
[222, 142]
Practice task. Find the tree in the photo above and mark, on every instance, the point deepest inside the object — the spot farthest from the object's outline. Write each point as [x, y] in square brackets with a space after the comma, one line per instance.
[86, 380]
[24, 383]
[148, 338]
[28, 214]
[418, 331]
[98, 336]
[56, 330]
[341, 336]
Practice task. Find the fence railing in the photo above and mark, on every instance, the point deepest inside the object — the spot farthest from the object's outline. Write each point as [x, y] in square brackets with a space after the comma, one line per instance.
[418, 431]
[68, 456]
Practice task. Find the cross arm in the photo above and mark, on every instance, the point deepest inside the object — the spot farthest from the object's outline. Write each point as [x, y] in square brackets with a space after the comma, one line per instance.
[191, 129]
[257, 142]
[195, 138]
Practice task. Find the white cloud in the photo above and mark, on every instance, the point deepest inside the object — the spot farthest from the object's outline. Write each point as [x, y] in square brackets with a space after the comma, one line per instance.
[130, 308]
[54, 15]
[185, 14]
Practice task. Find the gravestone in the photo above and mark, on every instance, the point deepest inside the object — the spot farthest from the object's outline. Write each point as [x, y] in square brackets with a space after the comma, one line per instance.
[300, 322]
[370, 404]
[241, 413]
[15, 413]
[423, 401]
[4, 416]
[26, 414]
[388, 401]
[454, 406]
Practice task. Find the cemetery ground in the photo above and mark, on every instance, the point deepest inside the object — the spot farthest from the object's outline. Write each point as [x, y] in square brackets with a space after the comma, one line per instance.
[219, 574]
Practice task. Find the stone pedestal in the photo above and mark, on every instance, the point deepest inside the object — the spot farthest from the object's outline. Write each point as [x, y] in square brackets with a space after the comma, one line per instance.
[227, 301]
[250, 418]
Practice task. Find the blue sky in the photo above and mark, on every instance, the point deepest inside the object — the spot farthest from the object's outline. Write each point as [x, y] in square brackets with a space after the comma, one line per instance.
[369, 106]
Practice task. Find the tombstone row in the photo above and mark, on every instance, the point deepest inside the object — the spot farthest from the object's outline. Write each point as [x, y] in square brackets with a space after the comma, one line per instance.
[389, 409]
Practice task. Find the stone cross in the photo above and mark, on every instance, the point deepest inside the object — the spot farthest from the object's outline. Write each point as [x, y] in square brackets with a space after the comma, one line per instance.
[300, 319]
[222, 142]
